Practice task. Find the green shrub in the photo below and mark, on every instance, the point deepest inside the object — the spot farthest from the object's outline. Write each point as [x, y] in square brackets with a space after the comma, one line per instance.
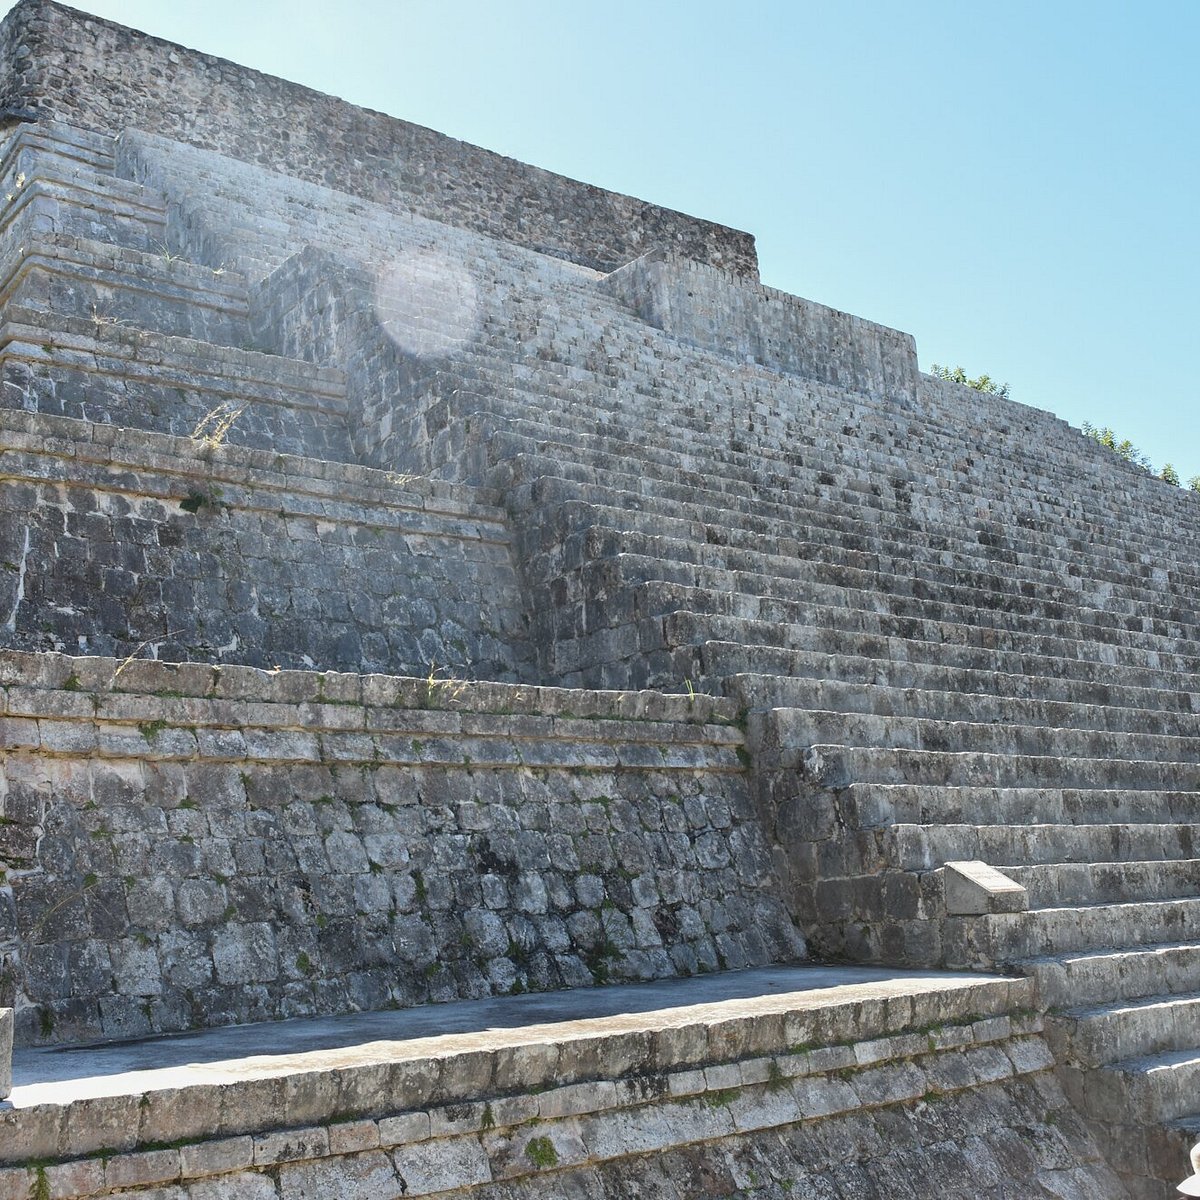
[984, 383]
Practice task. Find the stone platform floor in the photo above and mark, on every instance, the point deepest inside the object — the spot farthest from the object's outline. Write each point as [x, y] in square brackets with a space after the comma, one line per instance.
[59, 1075]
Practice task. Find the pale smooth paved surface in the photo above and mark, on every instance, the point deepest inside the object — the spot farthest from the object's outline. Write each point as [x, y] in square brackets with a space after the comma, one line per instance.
[58, 1074]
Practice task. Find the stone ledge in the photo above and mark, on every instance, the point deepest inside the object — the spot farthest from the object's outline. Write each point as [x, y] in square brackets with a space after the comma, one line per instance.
[799, 1053]
[524, 1134]
[110, 445]
[74, 679]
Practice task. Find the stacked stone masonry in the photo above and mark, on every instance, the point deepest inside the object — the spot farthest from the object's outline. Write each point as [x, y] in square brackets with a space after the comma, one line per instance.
[863, 1091]
[351, 486]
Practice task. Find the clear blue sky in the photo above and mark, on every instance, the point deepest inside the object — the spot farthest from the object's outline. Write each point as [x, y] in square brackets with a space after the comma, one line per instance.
[1016, 184]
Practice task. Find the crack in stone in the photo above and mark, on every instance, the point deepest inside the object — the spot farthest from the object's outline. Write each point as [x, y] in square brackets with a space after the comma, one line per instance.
[11, 624]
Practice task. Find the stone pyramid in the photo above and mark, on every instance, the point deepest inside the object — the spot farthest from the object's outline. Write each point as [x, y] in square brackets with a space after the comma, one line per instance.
[424, 578]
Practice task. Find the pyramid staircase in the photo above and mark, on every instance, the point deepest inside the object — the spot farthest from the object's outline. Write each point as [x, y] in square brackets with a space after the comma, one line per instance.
[974, 634]
[960, 630]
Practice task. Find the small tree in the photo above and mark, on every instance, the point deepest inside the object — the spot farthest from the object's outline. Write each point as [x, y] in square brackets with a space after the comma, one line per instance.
[1124, 449]
[985, 383]
[1169, 475]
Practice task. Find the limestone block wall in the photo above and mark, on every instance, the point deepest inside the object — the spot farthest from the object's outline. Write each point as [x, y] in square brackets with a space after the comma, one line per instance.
[901, 1091]
[841, 857]
[323, 306]
[193, 845]
[103, 76]
[105, 373]
[122, 542]
[718, 310]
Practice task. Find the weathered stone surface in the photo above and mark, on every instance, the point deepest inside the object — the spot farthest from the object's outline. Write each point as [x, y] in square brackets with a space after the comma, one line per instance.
[260, 410]
[367, 861]
[6, 1041]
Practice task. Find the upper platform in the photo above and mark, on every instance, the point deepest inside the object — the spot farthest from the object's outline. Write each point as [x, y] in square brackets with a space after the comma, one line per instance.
[60, 62]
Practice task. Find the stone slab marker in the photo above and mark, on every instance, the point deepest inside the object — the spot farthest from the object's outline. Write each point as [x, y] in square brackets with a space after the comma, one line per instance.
[974, 888]
[6, 1041]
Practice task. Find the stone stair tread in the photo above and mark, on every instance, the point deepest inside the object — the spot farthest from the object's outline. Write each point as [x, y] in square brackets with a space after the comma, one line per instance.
[654, 564]
[1144, 1004]
[929, 735]
[816, 664]
[1048, 574]
[1100, 979]
[709, 473]
[780, 570]
[704, 484]
[165, 351]
[1166, 1060]
[1002, 705]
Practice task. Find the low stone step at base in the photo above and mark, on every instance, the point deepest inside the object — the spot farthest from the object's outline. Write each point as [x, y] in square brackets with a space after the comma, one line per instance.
[1042, 843]
[1158, 1088]
[1058, 884]
[1100, 976]
[1045, 932]
[927, 804]
[555, 1095]
[1092, 1037]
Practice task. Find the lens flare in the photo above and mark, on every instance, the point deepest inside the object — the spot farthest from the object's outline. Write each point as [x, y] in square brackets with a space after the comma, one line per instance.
[427, 304]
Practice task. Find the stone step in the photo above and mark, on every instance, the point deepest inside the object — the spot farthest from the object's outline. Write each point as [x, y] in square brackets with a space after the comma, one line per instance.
[620, 563]
[941, 559]
[985, 546]
[1118, 712]
[1102, 1034]
[898, 576]
[882, 764]
[1051, 578]
[882, 804]
[1097, 977]
[718, 466]
[1057, 885]
[1051, 932]
[959, 637]
[113, 374]
[768, 675]
[792, 481]
[859, 591]
[797, 727]
[1160, 1087]
[845, 657]
[844, 682]
[927, 847]
[76, 277]
[794, 1043]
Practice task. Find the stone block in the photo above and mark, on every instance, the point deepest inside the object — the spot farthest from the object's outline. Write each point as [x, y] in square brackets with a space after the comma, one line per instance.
[974, 889]
[6, 1045]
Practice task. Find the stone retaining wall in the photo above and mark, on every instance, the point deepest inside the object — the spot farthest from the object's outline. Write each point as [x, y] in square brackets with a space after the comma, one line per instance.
[717, 310]
[783, 1095]
[119, 541]
[99, 75]
[193, 845]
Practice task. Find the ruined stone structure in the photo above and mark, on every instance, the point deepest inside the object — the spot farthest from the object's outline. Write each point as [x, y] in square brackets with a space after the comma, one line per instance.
[426, 578]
